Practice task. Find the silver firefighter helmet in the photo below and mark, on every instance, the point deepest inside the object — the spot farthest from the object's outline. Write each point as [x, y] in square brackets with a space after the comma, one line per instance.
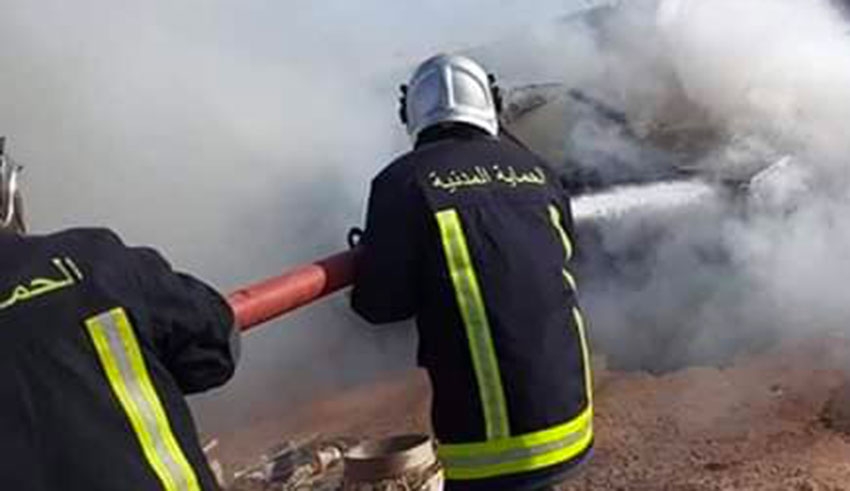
[11, 206]
[450, 89]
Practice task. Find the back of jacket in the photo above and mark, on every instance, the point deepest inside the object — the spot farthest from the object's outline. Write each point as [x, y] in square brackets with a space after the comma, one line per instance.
[99, 343]
[473, 236]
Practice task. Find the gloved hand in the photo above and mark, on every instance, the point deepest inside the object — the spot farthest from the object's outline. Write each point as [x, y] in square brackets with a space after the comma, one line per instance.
[354, 236]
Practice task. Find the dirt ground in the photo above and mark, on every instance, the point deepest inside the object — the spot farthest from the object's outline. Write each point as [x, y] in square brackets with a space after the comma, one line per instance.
[767, 422]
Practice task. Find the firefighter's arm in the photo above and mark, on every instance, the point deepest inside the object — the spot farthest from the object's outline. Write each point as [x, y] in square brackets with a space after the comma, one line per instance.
[566, 209]
[385, 274]
[193, 326]
[566, 203]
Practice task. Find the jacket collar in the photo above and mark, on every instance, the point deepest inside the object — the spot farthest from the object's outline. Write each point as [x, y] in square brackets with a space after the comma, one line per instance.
[451, 131]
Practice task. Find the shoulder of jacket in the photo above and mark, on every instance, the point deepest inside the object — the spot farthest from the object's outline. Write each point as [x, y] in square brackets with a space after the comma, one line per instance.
[398, 170]
[93, 235]
[530, 156]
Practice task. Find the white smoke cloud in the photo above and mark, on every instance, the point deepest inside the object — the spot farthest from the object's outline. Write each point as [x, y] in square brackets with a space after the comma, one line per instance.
[237, 137]
[744, 84]
[779, 72]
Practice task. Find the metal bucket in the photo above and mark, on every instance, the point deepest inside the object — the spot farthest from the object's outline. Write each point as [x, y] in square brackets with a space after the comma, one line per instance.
[399, 463]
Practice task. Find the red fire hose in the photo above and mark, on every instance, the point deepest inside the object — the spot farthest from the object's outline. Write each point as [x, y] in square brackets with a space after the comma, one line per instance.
[257, 303]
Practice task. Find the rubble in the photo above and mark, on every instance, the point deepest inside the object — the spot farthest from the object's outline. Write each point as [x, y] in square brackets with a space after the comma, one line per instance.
[296, 465]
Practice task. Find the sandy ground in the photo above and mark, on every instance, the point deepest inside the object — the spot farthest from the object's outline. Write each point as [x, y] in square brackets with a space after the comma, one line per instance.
[766, 422]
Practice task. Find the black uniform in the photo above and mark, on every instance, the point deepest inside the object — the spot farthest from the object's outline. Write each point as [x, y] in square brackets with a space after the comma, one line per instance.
[472, 236]
[99, 344]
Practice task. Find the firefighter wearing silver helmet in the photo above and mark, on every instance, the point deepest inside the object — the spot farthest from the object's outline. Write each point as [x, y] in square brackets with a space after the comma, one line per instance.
[450, 89]
[472, 235]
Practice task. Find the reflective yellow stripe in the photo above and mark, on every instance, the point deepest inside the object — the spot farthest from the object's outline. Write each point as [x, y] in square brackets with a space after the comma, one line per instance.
[122, 361]
[570, 280]
[585, 353]
[503, 455]
[520, 453]
[474, 314]
[555, 217]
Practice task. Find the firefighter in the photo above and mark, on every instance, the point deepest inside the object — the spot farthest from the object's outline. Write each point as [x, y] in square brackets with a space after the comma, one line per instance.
[472, 234]
[100, 343]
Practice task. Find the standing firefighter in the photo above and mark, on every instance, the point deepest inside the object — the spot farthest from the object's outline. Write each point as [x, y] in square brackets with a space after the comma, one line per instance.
[472, 235]
[99, 344]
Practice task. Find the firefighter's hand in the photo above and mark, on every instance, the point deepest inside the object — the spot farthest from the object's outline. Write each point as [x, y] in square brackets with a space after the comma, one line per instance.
[354, 236]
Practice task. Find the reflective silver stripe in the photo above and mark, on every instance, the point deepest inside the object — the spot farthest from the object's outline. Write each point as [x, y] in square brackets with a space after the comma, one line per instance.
[518, 454]
[74, 268]
[121, 358]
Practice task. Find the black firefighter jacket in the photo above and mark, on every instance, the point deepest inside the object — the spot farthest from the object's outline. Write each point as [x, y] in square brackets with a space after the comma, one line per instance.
[472, 236]
[99, 344]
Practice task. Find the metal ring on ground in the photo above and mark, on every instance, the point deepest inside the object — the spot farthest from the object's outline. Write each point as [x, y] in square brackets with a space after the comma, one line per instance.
[409, 458]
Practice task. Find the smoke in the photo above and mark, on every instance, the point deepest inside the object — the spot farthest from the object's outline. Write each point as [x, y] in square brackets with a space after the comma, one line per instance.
[724, 88]
[238, 138]
[794, 253]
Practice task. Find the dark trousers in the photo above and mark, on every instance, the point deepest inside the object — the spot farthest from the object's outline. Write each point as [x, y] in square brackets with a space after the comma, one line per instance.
[543, 483]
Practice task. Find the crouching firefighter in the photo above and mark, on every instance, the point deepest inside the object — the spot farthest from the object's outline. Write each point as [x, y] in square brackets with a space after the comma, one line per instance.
[471, 234]
[99, 344]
